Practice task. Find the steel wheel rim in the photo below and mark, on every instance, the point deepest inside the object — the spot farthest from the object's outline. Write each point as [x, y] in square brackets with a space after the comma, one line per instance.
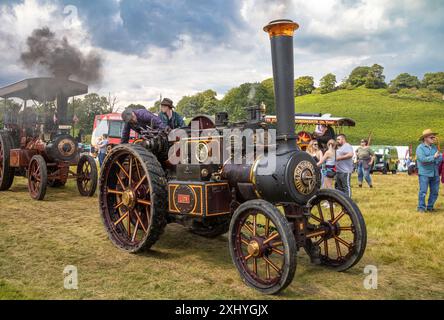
[85, 177]
[265, 265]
[128, 205]
[34, 178]
[333, 229]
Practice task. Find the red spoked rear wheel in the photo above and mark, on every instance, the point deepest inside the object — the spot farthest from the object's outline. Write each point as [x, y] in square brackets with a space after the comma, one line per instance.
[133, 198]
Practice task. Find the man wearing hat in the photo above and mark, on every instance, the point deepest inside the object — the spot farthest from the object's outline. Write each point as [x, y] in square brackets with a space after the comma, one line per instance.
[428, 160]
[137, 120]
[169, 117]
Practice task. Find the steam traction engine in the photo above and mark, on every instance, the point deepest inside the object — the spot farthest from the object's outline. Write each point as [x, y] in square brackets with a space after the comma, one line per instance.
[269, 215]
[40, 147]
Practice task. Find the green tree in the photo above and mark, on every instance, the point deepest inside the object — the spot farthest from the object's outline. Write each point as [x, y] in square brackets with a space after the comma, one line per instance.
[303, 85]
[403, 81]
[268, 85]
[86, 109]
[375, 78]
[8, 108]
[246, 95]
[358, 76]
[205, 102]
[434, 81]
[327, 83]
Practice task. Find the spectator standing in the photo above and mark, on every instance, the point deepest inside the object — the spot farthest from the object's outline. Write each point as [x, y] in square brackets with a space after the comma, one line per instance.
[314, 151]
[102, 145]
[428, 160]
[329, 170]
[365, 157]
[344, 165]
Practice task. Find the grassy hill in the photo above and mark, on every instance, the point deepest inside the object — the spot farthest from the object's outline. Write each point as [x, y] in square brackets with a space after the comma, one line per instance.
[393, 121]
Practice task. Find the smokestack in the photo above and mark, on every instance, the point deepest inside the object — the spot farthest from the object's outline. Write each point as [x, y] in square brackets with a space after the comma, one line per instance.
[62, 110]
[281, 38]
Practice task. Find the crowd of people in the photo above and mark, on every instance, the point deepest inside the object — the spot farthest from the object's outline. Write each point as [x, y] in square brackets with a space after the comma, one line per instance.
[333, 154]
[336, 158]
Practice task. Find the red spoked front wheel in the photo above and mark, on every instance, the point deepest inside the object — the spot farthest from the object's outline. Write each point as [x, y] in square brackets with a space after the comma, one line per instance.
[37, 178]
[262, 246]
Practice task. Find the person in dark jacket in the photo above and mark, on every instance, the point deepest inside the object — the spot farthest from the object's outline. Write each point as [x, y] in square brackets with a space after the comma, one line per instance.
[169, 117]
[324, 134]
[137, 120]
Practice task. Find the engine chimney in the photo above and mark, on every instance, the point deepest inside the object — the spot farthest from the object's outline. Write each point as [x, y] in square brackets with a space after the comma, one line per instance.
[281, 37]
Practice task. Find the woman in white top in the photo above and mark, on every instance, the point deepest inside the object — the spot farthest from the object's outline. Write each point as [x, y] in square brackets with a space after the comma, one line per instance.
[329, 158]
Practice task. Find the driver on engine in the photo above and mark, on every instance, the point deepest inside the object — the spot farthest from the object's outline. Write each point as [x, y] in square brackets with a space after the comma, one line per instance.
[138, 120]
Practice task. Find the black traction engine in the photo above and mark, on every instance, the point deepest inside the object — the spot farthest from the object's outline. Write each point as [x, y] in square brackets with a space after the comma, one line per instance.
[265, 192]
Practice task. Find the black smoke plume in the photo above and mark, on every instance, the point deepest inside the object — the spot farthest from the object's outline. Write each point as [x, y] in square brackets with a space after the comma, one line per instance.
[61, 59]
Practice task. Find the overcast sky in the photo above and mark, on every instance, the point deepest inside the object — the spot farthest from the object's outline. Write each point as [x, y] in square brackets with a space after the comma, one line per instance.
[179, 47]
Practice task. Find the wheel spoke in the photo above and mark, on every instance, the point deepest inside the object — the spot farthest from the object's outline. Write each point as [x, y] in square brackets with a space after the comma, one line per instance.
[140, 183]
[135, 231]
[345, 243]
[350, 228]
[321, 215]
[267, 227]
[267, 269]
[248, 228]
[272, 265]
[280, 252]
[139, 220]
[332, 211]
[144, 202]
[254, 225]
[317, 233]
[115, 191]
[338, 217]
[122, 169]
[277, 243]
[315, 218]
[130, 175]
[338, 248]
[118, 205]
[121, 219]
[129, 224]
[326, 247]
[273, 236]
[248, 257]
[255, 265]
[120, 182]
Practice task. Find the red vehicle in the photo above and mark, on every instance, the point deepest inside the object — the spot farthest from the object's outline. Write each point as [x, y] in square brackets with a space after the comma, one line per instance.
[112, 125]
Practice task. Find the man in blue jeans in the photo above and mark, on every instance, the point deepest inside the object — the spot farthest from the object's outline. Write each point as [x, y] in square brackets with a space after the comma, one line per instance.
[428, 160]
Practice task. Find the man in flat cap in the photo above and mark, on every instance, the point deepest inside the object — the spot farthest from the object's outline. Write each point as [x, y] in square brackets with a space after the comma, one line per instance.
[137, 120]
[428, 160]
[169, 117]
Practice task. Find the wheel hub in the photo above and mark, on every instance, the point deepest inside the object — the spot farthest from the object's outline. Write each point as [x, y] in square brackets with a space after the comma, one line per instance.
[129, 198]
[254, 248]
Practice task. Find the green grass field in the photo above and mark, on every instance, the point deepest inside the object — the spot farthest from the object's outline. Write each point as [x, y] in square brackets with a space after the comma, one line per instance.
[393, 121]
[37, 241]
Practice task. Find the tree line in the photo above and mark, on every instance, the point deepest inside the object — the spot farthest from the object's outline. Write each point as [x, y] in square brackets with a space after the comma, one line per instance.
[83, 110]
[431, 87]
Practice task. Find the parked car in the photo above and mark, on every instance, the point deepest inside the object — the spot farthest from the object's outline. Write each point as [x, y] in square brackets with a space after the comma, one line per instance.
[386, 159]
